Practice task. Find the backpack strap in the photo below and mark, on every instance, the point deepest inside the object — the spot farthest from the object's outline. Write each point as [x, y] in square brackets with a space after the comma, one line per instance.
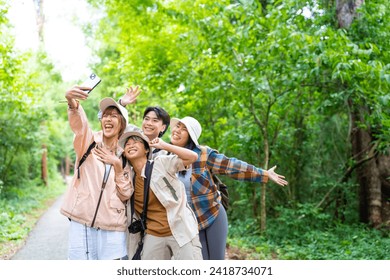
[148, 174]
[84, 157]
[124, 161]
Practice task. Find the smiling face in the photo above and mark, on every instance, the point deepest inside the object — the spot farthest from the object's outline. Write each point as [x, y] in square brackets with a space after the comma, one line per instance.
[135, 148]
[152, 125]
[112, 123]
[179, 135]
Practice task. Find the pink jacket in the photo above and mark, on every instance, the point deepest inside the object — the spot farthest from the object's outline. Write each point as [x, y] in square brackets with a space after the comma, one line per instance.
[82, 196]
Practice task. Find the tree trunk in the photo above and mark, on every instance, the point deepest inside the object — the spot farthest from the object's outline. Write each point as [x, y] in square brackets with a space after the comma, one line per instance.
[372, 176]
[346, 11]
[263, 126]
[263, 205]
[384, 175]
[370, 196]
[44, 165]
[67, 165]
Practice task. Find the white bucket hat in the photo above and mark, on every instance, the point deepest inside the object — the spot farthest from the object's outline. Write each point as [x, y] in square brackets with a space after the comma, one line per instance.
[193, 126]
[108, 102]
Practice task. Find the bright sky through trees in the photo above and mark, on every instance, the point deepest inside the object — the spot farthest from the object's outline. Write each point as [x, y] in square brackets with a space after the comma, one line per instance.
[64, 39]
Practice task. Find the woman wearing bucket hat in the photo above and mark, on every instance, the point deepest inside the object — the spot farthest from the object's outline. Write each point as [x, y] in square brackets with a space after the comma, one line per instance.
[202, 192]
[95, 201]
[171, 226]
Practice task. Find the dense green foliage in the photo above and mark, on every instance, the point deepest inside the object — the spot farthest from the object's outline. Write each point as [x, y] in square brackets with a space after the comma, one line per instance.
[20, 204]
[30, 117]
[254, 76]
[270, 82]
[262, 80]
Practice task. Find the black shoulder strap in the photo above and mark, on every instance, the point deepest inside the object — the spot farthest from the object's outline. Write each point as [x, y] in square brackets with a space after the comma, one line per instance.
[124, 161]
[93, 144]
[148, 174]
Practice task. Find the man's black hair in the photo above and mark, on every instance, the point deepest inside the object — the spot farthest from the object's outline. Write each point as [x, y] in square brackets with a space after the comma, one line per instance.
[161, 115]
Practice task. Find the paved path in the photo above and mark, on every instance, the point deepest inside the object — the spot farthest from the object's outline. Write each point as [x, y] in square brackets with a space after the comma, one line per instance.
[49, 238]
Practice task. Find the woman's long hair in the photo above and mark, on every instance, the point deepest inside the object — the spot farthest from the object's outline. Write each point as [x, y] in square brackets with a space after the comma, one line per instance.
[191, 146]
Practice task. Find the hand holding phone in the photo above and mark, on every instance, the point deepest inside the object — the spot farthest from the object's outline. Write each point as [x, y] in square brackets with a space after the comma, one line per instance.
[91, 82]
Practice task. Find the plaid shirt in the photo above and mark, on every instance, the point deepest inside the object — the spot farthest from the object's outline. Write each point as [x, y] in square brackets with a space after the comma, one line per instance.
[205, 197]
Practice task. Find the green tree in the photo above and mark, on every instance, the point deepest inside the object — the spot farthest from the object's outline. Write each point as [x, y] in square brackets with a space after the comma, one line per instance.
[270, 81]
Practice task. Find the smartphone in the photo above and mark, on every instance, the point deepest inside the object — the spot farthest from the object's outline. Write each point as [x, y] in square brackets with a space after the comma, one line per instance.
[92, 81]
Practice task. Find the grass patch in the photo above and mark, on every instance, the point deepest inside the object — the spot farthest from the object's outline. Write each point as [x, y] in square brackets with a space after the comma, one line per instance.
[335, 242]
[21, 208]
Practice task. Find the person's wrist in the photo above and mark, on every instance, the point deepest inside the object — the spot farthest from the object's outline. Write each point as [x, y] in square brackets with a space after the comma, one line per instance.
[72, 104]
[117, 165]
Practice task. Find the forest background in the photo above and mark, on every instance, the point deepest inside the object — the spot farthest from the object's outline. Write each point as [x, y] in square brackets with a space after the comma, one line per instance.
[303, 85]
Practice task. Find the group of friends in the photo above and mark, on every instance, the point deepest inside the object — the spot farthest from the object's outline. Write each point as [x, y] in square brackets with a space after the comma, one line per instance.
[184, 220]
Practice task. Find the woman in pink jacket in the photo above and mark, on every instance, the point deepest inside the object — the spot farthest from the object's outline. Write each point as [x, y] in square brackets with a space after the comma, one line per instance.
[95, 201]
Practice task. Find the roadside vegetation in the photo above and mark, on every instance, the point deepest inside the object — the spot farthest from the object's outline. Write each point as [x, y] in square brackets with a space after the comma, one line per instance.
[298, 84]
[21, 208]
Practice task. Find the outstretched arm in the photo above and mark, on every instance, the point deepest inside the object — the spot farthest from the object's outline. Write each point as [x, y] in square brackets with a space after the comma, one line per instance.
[241, 170]
[186, 155]
[78, 119]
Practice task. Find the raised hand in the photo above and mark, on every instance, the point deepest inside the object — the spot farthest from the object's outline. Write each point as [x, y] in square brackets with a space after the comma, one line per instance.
[105, 155]
[278, 179]
[76, 93]
[130, 96]
[157, 143]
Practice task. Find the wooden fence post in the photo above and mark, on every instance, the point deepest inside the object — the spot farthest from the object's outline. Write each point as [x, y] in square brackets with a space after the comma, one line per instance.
[44, 165]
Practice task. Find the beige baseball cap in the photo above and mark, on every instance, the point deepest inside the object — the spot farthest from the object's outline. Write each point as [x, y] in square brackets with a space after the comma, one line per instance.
[108, 102]
[130, 131]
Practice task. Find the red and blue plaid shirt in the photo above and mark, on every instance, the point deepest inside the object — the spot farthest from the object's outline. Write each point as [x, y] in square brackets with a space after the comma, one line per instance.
[205, 197]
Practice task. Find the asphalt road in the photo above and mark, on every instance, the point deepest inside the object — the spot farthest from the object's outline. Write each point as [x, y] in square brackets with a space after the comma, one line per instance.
[49, 238]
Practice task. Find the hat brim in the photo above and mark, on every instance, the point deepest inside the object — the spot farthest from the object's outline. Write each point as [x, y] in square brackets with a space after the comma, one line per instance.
[109, 102]
[126, 135]
[175, 121]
